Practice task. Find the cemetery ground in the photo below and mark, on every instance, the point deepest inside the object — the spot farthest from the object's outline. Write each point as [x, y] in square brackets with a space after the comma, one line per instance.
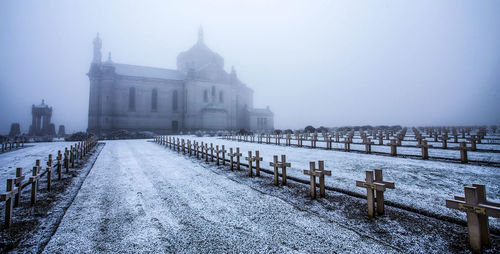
[142, 197]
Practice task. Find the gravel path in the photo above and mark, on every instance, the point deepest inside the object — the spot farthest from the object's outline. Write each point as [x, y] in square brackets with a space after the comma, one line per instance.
[140, 197]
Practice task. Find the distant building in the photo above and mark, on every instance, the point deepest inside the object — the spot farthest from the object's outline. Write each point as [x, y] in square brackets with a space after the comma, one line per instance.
[41, 124]
[15, 130]
[199, 95]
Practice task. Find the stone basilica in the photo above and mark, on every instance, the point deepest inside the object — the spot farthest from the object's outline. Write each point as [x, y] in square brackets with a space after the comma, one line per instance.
[199, 95]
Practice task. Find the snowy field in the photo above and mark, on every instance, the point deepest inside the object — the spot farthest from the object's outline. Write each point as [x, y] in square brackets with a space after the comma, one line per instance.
[419, 184]
[25, 158]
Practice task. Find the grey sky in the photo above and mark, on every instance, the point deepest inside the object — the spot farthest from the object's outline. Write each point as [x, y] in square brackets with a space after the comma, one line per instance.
[325, 63]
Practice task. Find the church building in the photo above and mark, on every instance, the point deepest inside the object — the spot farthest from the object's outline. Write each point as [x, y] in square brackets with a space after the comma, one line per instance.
[198, 95]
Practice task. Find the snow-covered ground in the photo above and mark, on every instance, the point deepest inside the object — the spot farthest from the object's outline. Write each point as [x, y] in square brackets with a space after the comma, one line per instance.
[419, 184]
[140, 197]
[25, 158]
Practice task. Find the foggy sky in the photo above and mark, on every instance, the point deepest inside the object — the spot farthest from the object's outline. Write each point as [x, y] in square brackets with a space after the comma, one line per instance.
[327, 63]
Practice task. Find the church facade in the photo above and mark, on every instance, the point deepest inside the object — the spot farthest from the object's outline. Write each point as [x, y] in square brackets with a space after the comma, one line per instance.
[198, 95]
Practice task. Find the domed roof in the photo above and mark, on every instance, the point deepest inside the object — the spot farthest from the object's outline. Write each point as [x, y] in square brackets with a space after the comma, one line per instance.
[201, 60]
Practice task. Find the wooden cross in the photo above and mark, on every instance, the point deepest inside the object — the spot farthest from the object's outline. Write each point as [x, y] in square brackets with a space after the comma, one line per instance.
[445, 138]
[49, 172]
[190, 151]
[394, 147]
[72, 156]
[368, 146]
[196, 152]
[478, 210]
[7, 197]
[288, 139]
[66, 159]
[418, 137]
[236, 154]
[211, 152]
[217, 152]
[425, 149]
[79, 150]
[380, 139]
[223, 151]
[59, 171]
[463, 152]
[183, 142]
[249, 159]
[473, 140]
[399, 138]
[206, 152]
[277, 164]
[347, 145]
[18, 181]
[201, 150]
[320, 173]
[314, 138]
[329, 143]
[231, 158]
[378, 185]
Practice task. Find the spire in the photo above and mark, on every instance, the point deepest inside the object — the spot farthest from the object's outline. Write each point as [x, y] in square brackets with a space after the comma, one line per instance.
[109, 62]
[97, 49]
[200, 34]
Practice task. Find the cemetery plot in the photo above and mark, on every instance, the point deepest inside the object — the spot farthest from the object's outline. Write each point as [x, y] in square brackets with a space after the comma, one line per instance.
[482, 154]
[478, 228]
[24, 158]
[36, 197]
[422, 184]
[15, 185]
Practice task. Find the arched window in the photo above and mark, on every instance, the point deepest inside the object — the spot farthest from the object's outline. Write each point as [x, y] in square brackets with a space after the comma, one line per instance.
[174, 101]
[221, 97]
[154, 100]
[205, 96]
[213, 91]
[131, 99]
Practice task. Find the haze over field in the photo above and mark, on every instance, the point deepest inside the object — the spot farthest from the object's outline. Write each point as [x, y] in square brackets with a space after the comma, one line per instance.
[327, 63]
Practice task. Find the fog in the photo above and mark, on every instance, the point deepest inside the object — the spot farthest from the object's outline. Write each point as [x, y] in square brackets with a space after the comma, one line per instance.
[329, 63]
